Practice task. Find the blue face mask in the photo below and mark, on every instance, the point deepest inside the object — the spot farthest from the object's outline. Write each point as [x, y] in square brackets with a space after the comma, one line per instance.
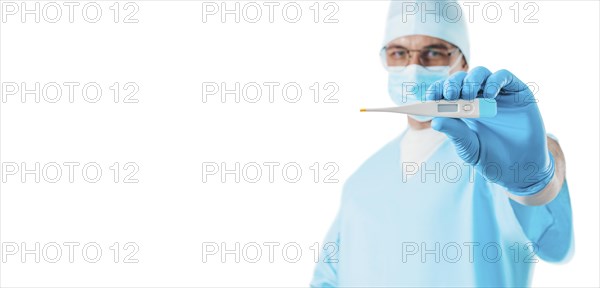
[407, 85]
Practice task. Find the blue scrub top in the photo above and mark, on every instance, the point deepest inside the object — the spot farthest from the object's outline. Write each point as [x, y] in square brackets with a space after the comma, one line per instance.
[444, 226]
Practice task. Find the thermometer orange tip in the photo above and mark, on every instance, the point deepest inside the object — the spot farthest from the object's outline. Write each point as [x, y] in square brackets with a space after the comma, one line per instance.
[363, 109]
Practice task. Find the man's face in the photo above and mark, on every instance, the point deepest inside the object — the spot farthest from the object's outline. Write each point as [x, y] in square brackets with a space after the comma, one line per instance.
[421, 42]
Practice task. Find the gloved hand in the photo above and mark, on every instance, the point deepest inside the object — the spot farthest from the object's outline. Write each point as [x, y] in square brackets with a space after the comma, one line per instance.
[509, 149]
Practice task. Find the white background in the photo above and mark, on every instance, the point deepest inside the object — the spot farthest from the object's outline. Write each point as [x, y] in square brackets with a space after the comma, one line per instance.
[171, 132]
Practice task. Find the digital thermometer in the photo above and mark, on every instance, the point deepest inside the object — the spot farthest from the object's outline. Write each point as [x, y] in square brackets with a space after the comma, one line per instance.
[477, 108]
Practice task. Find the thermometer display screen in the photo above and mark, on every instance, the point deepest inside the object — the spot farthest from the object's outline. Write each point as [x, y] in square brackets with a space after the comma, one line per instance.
[447, 107]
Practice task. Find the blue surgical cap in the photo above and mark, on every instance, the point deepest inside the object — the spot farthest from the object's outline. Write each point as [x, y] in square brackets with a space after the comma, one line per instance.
[440, 19]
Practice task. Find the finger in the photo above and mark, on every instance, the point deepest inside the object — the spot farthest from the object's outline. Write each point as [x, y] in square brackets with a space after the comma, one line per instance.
[464, 139]
[434, 91]
[502, 79]
[453, 85]
[473, 82]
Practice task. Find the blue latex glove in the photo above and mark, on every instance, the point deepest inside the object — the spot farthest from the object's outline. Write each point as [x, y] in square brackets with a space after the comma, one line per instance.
[509, 149]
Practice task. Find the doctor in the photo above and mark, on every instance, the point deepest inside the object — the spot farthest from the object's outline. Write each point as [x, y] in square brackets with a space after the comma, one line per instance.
[450, 202]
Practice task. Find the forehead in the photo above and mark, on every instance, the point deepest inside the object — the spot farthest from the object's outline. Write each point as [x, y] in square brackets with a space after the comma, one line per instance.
[418, 41]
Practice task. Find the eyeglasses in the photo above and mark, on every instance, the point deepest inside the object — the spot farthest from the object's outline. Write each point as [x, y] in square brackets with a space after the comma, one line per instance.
[398, 56]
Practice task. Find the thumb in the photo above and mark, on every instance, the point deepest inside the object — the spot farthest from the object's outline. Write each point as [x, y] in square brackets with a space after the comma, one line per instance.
[465, 140]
